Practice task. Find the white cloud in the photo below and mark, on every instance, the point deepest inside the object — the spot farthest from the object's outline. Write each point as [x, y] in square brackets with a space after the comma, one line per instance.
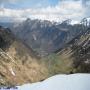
[64, 10]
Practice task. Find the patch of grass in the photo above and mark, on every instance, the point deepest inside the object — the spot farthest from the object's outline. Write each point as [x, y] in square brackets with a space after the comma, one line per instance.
[58, 64]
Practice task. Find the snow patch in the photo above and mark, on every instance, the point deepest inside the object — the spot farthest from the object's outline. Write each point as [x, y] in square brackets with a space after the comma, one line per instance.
[61, 82]
[12, 72]
[34, 37]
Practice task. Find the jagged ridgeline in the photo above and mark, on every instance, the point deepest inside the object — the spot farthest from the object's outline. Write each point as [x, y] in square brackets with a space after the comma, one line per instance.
[46, 37]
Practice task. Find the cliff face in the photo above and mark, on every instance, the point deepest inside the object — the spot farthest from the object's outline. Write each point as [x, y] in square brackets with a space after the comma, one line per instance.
[18, 63]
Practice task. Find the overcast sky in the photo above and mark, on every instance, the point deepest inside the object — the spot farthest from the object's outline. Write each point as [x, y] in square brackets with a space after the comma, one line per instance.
[53, 10]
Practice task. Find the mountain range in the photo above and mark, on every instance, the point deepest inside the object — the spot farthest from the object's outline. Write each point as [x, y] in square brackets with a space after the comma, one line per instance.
[46, 37]
[43, 49]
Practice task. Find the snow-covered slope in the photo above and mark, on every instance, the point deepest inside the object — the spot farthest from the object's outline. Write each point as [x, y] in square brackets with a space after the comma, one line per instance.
[61, 82]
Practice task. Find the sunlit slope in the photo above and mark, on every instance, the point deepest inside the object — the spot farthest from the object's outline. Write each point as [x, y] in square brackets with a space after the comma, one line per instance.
[18, 63]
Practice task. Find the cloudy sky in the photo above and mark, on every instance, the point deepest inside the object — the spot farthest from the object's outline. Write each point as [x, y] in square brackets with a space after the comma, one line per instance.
[53, 10]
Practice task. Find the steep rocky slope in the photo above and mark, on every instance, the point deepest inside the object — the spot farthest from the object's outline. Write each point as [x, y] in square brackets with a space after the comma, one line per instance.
[18, 63]
[74, 57]
[78, 50]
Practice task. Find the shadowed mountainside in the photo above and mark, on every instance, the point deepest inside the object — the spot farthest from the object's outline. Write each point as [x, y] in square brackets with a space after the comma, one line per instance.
[46, 37]
[74, 57]
[76, 54]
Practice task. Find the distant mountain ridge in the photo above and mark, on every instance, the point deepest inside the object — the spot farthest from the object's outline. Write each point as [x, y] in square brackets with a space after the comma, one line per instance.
[46, 37]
